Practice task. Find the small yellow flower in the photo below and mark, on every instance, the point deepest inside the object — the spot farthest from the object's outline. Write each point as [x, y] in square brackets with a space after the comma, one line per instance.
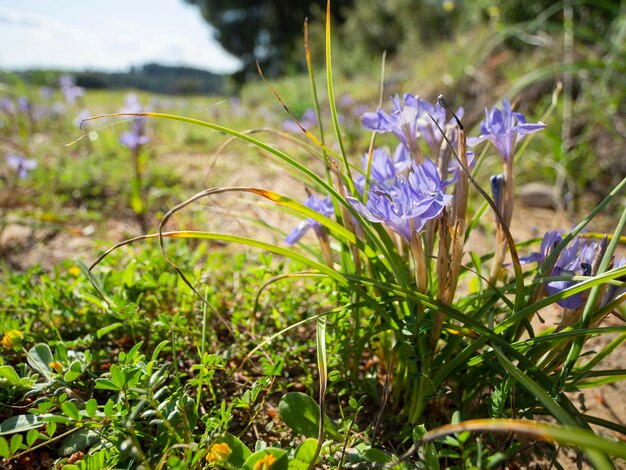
[448, 6]
[74, 271]
[56, 365]
[11, 339]
[265, 463]
[218, 452]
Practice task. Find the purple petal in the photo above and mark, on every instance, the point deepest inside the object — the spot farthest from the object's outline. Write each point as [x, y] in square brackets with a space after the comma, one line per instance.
[298, 232]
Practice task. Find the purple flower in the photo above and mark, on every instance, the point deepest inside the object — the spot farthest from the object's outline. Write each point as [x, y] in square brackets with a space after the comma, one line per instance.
[136, 137]
[69, 89]
[409, 120]
[82, 115]
[46, 93]
[308, 120]
[131, 104]
[409, 203]
[502, 128]
[21, 164]
[401, 122]
[573, 260]
[428, 130]
[323, 206]
[133, 140]
[23, 103]
[7, 106]
[384, 169]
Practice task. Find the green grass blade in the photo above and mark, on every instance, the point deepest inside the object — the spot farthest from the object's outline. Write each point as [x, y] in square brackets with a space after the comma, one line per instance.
[331, 101]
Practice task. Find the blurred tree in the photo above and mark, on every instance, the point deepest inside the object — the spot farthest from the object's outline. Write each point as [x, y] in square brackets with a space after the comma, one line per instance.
[269, 31]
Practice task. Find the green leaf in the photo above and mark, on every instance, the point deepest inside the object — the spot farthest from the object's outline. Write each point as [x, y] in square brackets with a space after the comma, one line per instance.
[301, 414]
[297, 465]
[97, 301]
[31, 437]
[275, 458]
[306, 451]
[376, 455]
[91, 407]
[16, 442]
[107, 329]
[106, 384]
[39, 358]
[158, 349]
[70, 410]
[118, 376]
[21, 423]
[108, 407]
[239, 452]
[74, 371]
[9, 374]
[79, 440]
[128, 276]
[5, 452]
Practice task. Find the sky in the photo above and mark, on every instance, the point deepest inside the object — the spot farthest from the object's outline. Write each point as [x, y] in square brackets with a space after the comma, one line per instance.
[107, 35]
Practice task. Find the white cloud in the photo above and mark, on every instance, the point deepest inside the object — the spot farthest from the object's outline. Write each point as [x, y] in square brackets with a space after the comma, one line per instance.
[110, 35]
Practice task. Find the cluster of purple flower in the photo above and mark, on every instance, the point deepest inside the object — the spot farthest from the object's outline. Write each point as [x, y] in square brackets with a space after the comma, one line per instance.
[406, 190]
[576, 259]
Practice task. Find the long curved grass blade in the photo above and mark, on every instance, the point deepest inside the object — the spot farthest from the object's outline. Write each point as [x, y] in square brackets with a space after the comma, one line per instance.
[608, 349]
[557, 338]
[331, 101]
[378, 239]
[565, 435]
[596, 447]
[322, 367]
[316, 104]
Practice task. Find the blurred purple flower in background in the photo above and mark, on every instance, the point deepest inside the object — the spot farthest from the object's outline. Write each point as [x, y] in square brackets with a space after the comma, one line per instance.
[7, 106]
[23, 103]
[21, 164]
[503, 127]
[323, 206]
[82, 115]
[136, 137]
[70, 91]
[308, 120]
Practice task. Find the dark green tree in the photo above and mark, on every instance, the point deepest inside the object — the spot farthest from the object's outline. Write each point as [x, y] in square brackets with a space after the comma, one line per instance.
[269, 31]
